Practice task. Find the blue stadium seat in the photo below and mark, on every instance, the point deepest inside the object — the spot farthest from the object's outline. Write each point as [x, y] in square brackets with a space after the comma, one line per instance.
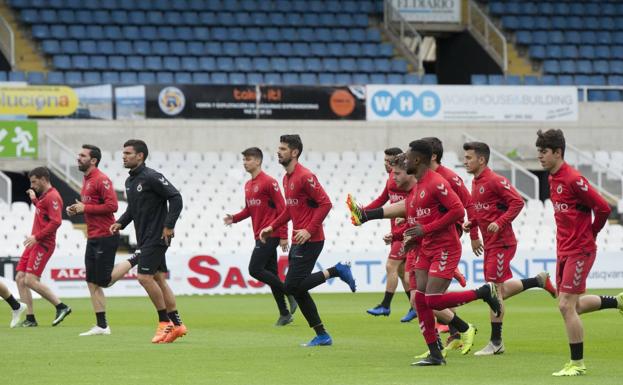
[255, 78]
[343, 78]
[108, 77]
[360, 78]
[178, 48]
[278, 64]
[540, 37]
[382, 65]
[58, 32]
[51, 47]
[479, 80]
[301, 49]
[40, 31]
[231, 48]
[296, 64]
[347, 64]
[365, 65]
[117, 62]
[569, 52]
[313, 65]
[395, 78]
[616, 52]
[56, 77]
[551, 66]
[614, 95]
[248, 48]
[537, 52]
[326, 78]
[201, 33]
[36, 77]
[330, 65]
[273, 78]
[213, 48]
[261, 64]
[565, 80]
[207, 64]
[283, 49]
[98, 62]
[266, 49]
[123, 47]
[164, 77]
[531, 80]
[549, 80]
[17, 76]
[378, 78]
[92, 77]
[201, 78]
[242, 64]
[581, 66]
[153, 63]
[616, 67]
[587, 52]
[144, 77]
[496, 80]
[291, 78]
[224, 64]
[61, 62]
[523, 37]
[73, 77]
[183, 78]
[513, 80]
[601, 67]
[582, 80]
[573, 37]
[596, 96]
[309, 79]
[429, 79]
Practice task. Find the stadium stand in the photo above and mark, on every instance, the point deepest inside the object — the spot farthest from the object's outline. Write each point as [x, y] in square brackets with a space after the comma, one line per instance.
[201, 225]
[212, 42]
[574, 43]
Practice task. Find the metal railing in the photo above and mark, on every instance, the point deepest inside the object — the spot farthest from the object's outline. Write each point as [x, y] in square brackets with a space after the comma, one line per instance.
[526, 183]
[7, 41]
[6, 188]
[403, 35]
[608, 181]
[487, 34]
[61, 159]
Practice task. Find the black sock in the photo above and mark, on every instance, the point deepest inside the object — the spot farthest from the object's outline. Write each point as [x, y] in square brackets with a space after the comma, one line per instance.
[100, 316]
[608, 302]
[133, 260]
[332, 272]
[453, 331]
[387, 300]
[12, 302]
[577, 351]
[369, 215]
[435, 352]
[61, 306]
[319, 329]
[483, 291]
[175, 317]
[30, 317]
[162, 316]
[459, 324]
[496, 332]
[408, 293]
[529, 283]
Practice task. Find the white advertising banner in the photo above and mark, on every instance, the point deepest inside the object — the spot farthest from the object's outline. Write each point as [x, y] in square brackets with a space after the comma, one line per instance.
[429, 11]
[214, 274]
[472, 103]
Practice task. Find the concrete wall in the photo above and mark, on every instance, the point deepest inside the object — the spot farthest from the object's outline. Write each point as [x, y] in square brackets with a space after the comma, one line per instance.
[600, 127]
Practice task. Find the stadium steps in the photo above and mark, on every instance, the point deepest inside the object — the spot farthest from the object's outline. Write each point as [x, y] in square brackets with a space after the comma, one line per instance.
[27, 57]
[519, 64]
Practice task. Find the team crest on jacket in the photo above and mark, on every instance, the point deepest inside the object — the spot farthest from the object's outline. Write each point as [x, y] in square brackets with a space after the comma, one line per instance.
[482, 189]
[422, 195]
[139, 188]
[292, 186]
[256, 188]
[559, 189]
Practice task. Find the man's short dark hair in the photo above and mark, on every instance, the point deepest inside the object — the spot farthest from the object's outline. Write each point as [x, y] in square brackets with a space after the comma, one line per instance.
[138, 145]
[479, 148]
[553, 139]
[399, 161]
[253, 152]
[436, 145]
[293, 141]
[94, 152]
[423, 148]
[393, 151]
[40, 172]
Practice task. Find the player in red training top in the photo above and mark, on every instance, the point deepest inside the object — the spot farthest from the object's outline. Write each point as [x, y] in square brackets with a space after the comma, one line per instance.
[574, 201]
[496, 204]
[263, 203]
[395, 265]
[457, 339]
[40, 246]
[432, 211]
[98, 203]
[307, 205]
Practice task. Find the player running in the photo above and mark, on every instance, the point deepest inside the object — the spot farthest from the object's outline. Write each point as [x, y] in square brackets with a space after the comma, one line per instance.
[574, 201]
[40, 246]
[307, 205]
[496, 204]
[148, 194]
[263, 203]
[395, 265]
[432, 210]
[98, 203]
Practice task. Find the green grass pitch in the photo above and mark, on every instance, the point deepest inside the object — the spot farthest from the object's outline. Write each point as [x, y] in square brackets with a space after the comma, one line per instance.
[232, 340]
